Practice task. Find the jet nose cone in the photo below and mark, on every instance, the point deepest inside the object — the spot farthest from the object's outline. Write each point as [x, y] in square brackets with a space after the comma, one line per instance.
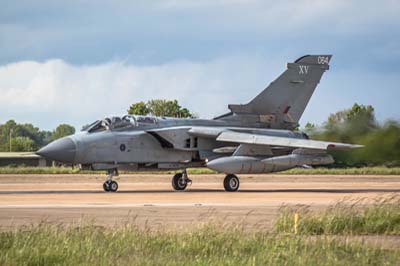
[62, 150]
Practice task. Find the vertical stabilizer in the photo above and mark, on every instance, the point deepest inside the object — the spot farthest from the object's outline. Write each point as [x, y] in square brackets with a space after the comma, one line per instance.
[285, 99]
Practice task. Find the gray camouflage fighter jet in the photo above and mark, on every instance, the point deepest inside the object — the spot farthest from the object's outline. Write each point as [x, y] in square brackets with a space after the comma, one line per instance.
[257, 137]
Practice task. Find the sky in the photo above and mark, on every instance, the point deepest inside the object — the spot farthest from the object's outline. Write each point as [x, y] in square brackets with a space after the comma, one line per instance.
[77, 61]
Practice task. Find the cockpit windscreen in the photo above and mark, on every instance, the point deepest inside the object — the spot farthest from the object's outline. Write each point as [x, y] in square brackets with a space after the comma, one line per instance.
[116, 122]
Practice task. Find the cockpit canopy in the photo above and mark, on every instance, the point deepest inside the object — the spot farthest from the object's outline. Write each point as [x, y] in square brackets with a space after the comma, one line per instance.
[116, 122]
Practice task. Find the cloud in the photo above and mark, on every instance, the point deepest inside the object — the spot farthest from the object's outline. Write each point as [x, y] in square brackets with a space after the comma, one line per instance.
[79, 94]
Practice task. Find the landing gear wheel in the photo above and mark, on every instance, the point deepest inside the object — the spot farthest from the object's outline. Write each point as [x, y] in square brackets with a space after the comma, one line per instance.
[179, 182]
[106, 186]
[231, 183]
[110, 185]
[113, 186]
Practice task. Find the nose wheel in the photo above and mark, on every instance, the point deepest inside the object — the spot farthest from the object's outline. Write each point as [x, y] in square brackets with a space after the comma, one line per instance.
[111, 185]
[180, 181]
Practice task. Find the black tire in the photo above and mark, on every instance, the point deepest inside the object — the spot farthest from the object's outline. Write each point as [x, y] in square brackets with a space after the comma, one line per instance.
[231, 183]
[113, 186]
[178, 183]
[106, 187]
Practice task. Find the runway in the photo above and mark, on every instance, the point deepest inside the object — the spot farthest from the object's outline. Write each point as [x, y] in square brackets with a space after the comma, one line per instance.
[149, 200]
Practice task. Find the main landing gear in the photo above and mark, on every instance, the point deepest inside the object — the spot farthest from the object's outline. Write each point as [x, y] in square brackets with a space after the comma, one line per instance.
[181, 180]
[111, 185]
[231, 183]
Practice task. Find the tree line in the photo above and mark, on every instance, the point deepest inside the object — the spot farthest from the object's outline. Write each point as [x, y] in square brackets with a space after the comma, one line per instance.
[160, 107]
[358, 125]
[26, 137]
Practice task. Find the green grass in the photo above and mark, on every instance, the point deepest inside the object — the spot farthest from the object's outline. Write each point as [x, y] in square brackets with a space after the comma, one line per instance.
[354, 218]
[39, 170]
[196, 171]
[378, 170]
[90, 245]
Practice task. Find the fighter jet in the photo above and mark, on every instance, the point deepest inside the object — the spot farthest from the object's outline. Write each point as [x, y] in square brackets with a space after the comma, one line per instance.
[257, 137]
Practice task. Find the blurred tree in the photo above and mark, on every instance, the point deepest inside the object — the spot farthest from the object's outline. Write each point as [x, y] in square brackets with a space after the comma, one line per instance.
[62, 131]
[358, 125]
[6, 131]
[164, 108]
[26, 137]
[309, 129]
[139, 108]
[21, 144]
[184, 112]
[46, 137]
[360, 120]
[349, 124]
[28, 130]
[382, 146]
[160, 107]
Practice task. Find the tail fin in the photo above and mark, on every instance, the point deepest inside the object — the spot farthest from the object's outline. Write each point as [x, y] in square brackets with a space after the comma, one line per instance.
[286, 98]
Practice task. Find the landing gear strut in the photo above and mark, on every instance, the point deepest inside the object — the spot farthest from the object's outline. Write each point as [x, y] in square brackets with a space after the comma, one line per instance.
[231, 183]
[111, 185]
[180, 180]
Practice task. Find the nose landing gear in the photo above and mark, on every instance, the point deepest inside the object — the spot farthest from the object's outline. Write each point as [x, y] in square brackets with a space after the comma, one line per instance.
[181, 180]
[111, 185]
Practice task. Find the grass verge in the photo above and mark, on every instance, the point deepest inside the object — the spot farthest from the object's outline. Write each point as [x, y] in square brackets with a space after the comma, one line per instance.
[90, 245]
[354, 218]
[381, 170]
[195, 171]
